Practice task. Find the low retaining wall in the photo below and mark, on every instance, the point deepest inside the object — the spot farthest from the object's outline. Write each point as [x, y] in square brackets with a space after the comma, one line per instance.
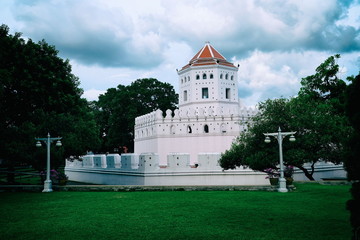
[145, 170]
[322, 170]
[166, 178]
[117, 188]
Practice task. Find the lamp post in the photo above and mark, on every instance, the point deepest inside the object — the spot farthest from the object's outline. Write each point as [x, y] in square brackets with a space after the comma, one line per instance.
[280, 136]
[48, 141]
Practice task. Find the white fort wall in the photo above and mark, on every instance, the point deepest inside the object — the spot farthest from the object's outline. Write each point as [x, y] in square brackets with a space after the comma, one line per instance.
[199, 130]
[132, 169]
[191, 145]
[146, 170]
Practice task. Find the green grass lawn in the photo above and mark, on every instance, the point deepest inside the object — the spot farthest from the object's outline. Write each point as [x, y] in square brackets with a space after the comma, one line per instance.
[23, 175]
[313, 211]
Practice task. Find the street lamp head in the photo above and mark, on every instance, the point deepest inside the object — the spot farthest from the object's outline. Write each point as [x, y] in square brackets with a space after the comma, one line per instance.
[267, 139]
[292, 138]
[38, 144]
[58, 143]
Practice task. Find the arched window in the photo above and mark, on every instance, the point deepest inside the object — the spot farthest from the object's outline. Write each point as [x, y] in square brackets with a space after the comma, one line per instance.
[226, 76]
[221, 76]
[197, 77]
[206, 128]
[188, 79]
[232, 77]
[189, 130]
[211, 76]
[204, 76]
[182, 81]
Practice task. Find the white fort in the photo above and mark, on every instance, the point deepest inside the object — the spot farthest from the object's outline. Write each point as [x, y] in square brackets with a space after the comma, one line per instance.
[183, 148]
[209, 117]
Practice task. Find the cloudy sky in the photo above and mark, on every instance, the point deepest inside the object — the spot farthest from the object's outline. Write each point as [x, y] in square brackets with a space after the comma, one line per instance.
[115, 42]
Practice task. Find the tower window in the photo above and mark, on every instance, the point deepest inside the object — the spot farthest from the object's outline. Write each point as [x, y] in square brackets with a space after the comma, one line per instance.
[227, 93]
[206, 128]
[232, 77]
[197, 77]
[204, 76]
[211, 76]
[205, 93]
[189, 79]
[226, 76]
[221, 76]
[185, 96]
[189, 130]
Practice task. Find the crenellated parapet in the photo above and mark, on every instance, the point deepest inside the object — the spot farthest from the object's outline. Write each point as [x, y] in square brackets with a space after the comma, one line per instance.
[149, 119]
[192, 121]
[145, 162]
[248, 111]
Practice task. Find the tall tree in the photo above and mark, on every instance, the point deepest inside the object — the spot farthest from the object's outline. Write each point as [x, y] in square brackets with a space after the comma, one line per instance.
[39, 94]
[325, 85]
[117, 109]
[352, 163]
[319, 137]
[317, 115]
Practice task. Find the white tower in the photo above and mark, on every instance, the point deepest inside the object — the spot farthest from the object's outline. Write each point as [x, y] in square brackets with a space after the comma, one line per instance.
[208, 82]
[209, 117]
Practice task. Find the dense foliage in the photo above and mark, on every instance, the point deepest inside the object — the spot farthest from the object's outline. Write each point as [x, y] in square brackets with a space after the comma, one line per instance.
[40, 95]
[352, 163]
[317, 116]
[117, 109]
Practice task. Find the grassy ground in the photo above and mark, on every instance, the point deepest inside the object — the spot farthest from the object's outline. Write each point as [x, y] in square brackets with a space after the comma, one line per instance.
[23, 175]
[313, 211]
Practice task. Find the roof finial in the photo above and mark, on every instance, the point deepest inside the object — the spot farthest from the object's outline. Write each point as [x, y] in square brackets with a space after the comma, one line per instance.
[207, 42]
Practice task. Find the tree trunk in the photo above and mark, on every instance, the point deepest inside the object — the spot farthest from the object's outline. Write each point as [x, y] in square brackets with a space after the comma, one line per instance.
[10, 174]
[307, 173]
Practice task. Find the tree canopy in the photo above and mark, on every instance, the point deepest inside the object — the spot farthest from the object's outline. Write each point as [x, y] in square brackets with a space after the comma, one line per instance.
[317, 116]
[40, 95]
[352, 163]
[117, 109]
[353, 112]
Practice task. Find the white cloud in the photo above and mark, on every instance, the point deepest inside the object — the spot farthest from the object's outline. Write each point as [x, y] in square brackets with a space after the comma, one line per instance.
[352, 17]
[276, 74]
[116, 42]
[92, 94]
[97, 77]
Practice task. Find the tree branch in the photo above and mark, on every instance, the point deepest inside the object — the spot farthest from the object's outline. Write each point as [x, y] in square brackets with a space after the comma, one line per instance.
[306, 172]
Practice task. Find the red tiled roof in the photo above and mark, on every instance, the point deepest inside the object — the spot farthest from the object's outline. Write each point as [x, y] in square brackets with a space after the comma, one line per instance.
[208, 56]
[216, 53]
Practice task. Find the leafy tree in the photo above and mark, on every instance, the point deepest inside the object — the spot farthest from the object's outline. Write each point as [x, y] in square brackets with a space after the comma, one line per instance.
[319, 136]
[324, 85]
[352, 164]
[39, 94]
[353, 112]
[117, 109]
[317, 117]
